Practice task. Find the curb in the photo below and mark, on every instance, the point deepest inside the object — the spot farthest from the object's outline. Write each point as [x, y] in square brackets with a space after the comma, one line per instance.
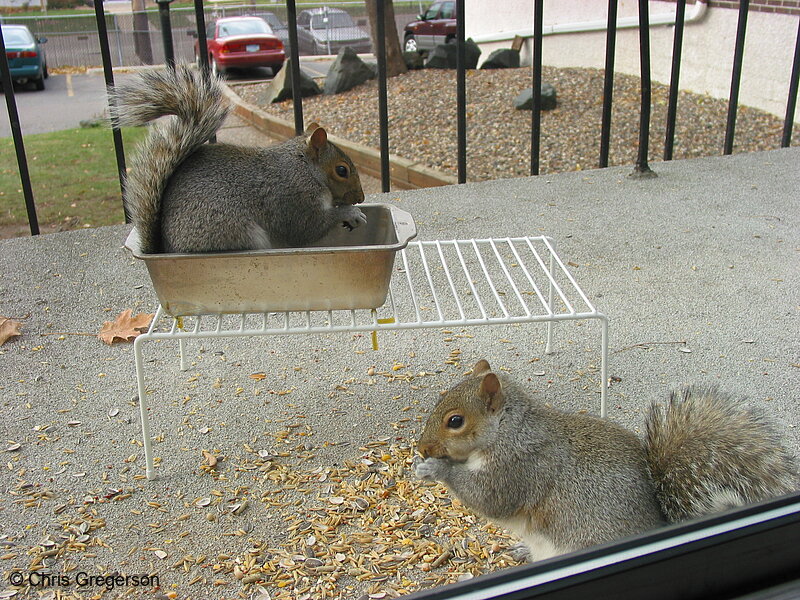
[404, 174]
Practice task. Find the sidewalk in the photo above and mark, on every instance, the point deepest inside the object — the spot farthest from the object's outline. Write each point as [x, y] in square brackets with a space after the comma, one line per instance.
[696, 269]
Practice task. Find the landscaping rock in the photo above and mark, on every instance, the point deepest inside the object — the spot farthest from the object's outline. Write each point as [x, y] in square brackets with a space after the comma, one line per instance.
[347, 71]
[280, 88]
[443, 56]
[503, 58]
[413, 60]
[525, 99]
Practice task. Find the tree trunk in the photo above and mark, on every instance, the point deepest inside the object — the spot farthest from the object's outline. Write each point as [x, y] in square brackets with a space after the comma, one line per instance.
[395, 65]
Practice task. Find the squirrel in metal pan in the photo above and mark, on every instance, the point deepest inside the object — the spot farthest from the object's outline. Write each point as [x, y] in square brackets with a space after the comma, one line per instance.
[187, 196]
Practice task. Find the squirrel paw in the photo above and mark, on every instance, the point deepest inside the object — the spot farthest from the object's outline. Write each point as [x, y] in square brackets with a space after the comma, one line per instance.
[353, 217]
[520, 552]
[430, 469]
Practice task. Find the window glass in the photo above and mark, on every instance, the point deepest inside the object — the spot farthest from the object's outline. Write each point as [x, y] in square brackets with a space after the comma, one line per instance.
[16, 37]
[433, 11]
[243, 27]
[335, 19]
[448, 10]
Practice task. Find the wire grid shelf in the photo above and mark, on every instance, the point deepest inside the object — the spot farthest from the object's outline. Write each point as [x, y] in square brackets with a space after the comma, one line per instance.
[435, 284]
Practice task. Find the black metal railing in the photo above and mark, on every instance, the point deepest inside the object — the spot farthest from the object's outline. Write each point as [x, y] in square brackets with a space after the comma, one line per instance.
[641, 166]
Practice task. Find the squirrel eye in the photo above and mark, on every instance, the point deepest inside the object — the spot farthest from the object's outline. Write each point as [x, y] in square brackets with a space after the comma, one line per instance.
[342, 171]
[455, 422]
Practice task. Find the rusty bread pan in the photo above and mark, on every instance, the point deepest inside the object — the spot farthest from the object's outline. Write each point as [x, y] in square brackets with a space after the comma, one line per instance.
[344, 270]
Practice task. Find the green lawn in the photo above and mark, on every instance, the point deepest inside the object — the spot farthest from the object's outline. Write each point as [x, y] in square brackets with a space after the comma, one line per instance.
[73, 176]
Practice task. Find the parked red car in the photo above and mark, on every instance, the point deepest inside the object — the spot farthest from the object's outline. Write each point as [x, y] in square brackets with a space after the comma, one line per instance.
[435, 26]
[243, 43]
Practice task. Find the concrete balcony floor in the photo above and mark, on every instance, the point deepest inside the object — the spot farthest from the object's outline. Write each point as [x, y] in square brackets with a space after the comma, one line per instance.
[697, 270]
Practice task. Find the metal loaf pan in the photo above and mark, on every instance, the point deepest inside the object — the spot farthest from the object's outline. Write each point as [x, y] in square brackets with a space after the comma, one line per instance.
[344, 270]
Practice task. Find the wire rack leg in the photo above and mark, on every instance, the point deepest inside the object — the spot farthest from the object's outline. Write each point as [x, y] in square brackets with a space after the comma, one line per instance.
[148, 449]
[603, 364]
[182, 348]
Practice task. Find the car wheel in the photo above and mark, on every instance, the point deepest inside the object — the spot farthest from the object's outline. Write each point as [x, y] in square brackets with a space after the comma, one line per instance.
[276, 68]
[45, 74]
[411, 44]
[38, 84]
[215, 70]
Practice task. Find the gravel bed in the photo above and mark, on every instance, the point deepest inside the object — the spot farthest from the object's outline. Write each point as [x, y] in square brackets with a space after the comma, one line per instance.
[422, 121]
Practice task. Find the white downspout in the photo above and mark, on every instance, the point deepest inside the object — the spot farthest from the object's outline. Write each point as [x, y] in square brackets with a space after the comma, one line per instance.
[699, 11]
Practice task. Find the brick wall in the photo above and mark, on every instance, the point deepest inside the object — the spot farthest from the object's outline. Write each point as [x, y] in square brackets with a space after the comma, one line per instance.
[786, 7]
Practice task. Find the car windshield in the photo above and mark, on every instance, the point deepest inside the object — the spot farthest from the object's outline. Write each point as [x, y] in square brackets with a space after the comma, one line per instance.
[335, 19]
[243, 27]
[15, 37]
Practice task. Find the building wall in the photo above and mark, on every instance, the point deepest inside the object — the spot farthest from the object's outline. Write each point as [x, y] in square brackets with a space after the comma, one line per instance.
[707, 57]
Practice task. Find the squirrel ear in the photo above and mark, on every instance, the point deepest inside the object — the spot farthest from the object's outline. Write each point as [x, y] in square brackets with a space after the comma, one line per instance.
[482, 366]
[318, 139]
[491, 391]
[311, 127]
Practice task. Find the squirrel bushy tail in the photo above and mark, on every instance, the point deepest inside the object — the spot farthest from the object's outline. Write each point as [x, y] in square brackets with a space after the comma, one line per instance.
[197, 102]
[706, 454]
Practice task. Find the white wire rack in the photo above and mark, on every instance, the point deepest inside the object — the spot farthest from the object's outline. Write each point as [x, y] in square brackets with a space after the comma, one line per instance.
[436, 284]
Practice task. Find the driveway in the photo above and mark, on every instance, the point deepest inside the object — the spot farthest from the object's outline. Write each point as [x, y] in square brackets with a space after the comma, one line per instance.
[69, 99]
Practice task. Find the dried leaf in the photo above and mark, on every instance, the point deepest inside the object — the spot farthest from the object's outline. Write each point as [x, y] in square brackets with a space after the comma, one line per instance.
[8, 329]
[258, 376]
[125, 327]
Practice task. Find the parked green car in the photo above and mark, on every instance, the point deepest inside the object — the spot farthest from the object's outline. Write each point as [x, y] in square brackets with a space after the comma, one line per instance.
[26, 58]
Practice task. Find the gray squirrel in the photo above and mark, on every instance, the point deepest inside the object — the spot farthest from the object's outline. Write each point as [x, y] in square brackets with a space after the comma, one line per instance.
[563, 481]
[188, 196]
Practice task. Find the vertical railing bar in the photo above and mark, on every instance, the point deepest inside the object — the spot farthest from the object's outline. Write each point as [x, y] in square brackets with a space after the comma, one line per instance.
[736, 75]
[791, 103]
[489, 279]
[219, 323]
[536, 289]
[536, 116]
[672, 107]
[264, 318]
[608, 83]
[19, 144]
[202, 48]
[642, 169]
[242, 319]
[450, 281]
[508, 276]
[166, 32]
[461, 93]
[108, 72]
[470, 282]
[294, 52]
[383, 104]
[430, 281]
